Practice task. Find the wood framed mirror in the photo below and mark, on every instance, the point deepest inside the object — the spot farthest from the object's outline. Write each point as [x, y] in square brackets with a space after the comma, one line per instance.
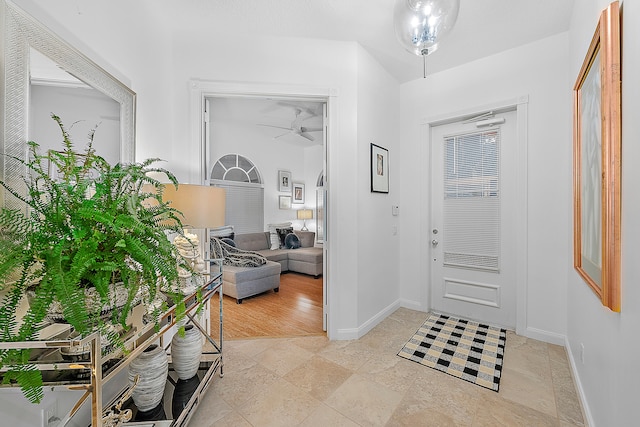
[597, 162]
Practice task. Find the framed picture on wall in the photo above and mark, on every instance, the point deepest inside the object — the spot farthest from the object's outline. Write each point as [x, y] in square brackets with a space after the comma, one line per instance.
[298, 192]
[285, 202]
[597, 159]
[379, 169]
[284, 181]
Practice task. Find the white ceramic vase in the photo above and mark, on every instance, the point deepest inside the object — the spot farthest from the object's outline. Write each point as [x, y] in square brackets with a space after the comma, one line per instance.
[186, 352]
[152, 367]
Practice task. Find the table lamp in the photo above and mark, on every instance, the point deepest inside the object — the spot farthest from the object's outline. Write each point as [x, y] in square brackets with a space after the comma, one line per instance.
[304, 214]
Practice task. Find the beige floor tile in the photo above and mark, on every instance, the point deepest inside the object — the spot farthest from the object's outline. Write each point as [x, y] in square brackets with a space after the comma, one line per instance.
[364, 401]
[528, 390]
[392, 371]
[279, 404]
[453, 401]
[351, 355]
[283, 357]
[230, 420]
[319, 377]
[311, 381]
[215, 409]
[239, 386]
[312, 343]
[500, 412]
[567, 401]
[324, 416]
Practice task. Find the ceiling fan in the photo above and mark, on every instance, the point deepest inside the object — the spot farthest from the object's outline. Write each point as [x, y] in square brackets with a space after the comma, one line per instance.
[296, 127]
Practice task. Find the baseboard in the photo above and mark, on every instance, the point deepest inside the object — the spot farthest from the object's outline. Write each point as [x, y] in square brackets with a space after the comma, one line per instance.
[355, 333]
[413, 305]
[586, 412]
[546, 336]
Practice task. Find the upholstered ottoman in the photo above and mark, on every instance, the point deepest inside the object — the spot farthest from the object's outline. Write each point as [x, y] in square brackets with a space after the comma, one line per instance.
[243, 282]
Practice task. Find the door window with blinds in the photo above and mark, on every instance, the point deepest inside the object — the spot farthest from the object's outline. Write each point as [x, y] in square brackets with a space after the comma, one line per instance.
[244, 207]
[472, 200]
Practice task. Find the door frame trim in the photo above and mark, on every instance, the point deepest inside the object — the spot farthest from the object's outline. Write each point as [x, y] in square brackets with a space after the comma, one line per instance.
[520, 104]
[201, 89]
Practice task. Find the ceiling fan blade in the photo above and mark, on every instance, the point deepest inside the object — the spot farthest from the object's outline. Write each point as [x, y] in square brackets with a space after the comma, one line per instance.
[272, 126]
[307, 136]
[278, 136]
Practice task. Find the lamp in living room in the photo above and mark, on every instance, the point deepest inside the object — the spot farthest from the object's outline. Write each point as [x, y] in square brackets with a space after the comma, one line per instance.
[304, 215]
[202, 207]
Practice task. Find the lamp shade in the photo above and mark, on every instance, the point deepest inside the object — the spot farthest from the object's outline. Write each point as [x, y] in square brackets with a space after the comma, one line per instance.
[304, 214]
[202, 205]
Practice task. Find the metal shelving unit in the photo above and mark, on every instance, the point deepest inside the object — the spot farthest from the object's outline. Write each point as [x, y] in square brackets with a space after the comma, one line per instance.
[92, 374]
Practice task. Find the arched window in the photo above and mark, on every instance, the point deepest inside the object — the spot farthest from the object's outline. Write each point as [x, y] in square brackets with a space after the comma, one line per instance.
[234, 167]
[244, 207]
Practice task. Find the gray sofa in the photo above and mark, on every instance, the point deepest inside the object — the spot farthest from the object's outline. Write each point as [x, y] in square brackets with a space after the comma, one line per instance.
[243, 282]
[307, 259]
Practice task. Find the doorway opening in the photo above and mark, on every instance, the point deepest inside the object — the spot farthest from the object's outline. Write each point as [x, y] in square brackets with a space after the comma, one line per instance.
[278, 134]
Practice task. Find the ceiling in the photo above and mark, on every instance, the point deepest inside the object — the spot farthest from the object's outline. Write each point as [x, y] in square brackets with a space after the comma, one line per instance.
[484, 27]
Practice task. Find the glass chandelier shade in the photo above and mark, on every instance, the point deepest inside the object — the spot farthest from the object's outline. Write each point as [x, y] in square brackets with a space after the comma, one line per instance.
[421, 24]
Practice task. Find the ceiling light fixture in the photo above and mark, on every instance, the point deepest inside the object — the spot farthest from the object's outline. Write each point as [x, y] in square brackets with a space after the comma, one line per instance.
[421, 24]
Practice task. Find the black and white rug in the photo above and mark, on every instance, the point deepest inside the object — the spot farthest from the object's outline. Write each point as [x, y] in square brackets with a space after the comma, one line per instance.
[468, 350]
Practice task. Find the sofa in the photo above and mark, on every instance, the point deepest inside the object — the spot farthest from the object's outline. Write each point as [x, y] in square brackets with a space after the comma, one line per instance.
[243, 282]
[306, 259]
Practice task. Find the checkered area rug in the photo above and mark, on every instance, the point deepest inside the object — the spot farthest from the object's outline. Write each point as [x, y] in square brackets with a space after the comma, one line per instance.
[462, 348]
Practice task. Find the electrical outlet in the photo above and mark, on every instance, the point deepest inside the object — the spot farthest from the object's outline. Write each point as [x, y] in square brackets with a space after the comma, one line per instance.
[582, 352]
[50, 416]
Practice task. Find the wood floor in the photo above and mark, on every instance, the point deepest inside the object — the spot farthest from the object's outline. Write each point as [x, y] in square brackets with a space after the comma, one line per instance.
[296, 310]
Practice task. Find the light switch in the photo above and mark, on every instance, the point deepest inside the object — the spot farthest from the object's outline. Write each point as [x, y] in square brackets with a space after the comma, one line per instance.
[395, 210]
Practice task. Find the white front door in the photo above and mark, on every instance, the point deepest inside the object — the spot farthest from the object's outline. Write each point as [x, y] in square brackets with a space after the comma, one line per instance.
[473, 230]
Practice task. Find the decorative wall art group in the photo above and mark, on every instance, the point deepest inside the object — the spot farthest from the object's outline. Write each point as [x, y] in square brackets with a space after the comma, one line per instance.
[597, 162]
[295, 190]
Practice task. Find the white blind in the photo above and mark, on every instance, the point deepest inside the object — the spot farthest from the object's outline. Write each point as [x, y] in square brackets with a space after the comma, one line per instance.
[244, 207]
[472, 200]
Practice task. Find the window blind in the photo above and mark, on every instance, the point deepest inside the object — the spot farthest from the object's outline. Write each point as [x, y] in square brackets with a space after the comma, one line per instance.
[244, 207]
[472, 201]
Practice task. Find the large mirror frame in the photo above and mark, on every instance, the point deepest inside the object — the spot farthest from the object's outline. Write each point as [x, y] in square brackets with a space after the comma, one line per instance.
[597, 154]
[21, 32]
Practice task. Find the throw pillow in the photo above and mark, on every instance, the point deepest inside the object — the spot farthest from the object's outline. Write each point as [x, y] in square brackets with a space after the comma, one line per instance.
[282, 234]
[229, 241]
[292, 241]
[274, 240]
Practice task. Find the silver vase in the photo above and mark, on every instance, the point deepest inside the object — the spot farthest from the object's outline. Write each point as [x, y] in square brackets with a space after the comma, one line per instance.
[186, 352]
[152, 367]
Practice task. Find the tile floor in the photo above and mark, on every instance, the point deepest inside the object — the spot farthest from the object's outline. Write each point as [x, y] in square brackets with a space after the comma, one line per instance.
[310, 381]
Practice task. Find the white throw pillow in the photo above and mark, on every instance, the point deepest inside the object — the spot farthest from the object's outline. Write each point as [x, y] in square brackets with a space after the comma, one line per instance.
[274, 239]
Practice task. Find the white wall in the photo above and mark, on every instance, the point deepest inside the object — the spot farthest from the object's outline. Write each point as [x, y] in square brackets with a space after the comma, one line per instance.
[539, 70]
[378, 102]
[608, 376]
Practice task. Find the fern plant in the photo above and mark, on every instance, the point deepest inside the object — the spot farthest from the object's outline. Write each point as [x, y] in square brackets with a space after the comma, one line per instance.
[89, 226]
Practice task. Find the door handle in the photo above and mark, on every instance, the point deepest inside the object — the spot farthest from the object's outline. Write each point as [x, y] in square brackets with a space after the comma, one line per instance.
[434, 242]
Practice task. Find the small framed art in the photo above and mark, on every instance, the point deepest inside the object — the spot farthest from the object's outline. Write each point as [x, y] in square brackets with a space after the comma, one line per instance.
[285, 202]
[379, 169]
[284, 181]
[298, 192]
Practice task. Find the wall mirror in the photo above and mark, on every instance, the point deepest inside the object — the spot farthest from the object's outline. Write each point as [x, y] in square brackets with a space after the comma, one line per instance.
[39, 70]
[597, 162]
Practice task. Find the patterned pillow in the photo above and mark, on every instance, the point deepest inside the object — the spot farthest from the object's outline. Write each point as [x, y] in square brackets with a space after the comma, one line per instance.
[292, 241]
[282, 234]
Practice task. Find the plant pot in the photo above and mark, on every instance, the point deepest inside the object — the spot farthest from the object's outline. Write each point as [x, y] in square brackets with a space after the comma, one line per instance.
[152, 367]
[186, 352]
[119, 294]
